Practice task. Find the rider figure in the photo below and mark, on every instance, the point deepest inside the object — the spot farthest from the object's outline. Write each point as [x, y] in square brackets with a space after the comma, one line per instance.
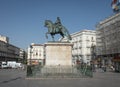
[58, 24]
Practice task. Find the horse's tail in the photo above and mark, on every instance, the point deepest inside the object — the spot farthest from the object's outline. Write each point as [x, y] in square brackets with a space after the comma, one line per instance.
[66, 33]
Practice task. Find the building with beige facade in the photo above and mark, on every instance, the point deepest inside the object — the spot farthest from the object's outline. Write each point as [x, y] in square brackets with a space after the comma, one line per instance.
[4, 39]
[36, 54]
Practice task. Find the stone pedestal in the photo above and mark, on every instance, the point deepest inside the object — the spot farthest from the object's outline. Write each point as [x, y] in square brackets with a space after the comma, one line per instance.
[58, 54]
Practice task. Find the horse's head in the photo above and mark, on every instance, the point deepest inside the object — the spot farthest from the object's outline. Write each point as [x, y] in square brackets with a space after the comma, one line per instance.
[48, 23]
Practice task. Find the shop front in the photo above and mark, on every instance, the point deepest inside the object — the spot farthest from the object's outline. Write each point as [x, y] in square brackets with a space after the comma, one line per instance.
[116, 61]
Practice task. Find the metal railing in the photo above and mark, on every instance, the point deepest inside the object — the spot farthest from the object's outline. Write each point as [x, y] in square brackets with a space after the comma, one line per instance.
[59, 71]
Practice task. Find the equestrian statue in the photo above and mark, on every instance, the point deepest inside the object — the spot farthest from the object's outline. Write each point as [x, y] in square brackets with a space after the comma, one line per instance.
[57, 28]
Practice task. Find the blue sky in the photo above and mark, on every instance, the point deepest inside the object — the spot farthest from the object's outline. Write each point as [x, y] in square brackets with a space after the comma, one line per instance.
[23, 20]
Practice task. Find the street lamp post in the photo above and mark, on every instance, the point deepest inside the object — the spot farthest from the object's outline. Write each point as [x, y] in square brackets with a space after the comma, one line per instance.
[93, 56]
[29, 67]
[30, 53]
[99, 51]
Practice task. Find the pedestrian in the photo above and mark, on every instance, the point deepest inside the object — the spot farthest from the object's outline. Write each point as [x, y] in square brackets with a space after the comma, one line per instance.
[104, 68]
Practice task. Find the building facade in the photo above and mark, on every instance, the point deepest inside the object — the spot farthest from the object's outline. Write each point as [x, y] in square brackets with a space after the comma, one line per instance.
[36, 54]
[8, 52]
[82, 46]
[23, 56]
[108, 39]
[4, 39]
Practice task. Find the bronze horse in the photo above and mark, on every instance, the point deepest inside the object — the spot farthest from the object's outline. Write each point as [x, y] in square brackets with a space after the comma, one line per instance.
[55, 29]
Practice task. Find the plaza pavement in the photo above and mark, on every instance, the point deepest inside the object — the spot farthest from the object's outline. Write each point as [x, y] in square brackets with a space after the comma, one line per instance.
[17, 78]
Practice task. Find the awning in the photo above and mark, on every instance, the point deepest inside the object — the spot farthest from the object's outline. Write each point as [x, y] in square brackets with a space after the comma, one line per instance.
[116, 59]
